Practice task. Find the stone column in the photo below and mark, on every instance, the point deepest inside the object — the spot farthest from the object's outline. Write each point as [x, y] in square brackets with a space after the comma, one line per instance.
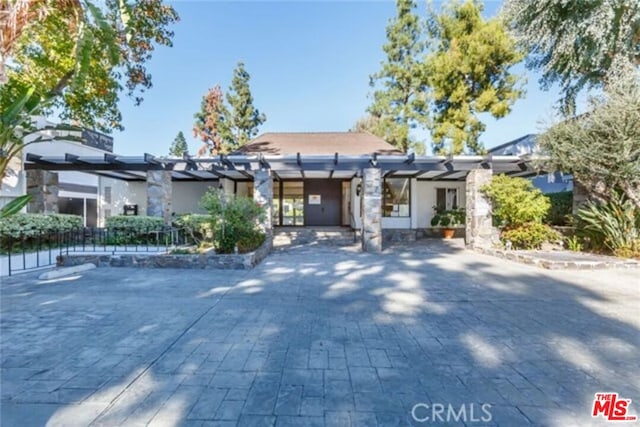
[43, 188]
[159, 194]
[371, 210]
[263, 196]
[580, 196]
[479, 222]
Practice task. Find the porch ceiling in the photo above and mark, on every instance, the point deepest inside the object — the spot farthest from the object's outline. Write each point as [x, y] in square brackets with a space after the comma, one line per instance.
[242, 167]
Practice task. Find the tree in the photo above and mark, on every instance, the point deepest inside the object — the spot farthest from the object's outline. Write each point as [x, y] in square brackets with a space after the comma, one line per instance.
[376, 126]
[400, 97]
[577, 44]
[111, 44]
[602, 147]
[179, 146]
[243, 118]
[467, 70]
[210, 123]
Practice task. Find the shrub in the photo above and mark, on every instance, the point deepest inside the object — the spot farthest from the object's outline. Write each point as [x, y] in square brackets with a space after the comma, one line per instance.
[234, 221]
[529, 236]
[612, 226]
[561, 208]
[516, 201]
[135, 223]
[448, 218]
[28, 225]
[197, 226]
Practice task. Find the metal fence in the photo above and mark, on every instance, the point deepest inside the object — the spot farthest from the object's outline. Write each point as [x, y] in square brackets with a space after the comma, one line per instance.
[33, 250]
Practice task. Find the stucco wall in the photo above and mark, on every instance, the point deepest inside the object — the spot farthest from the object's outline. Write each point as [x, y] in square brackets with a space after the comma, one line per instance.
[187, 195]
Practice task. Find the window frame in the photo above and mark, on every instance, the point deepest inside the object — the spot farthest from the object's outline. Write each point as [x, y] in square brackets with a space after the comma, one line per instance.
[384, 197]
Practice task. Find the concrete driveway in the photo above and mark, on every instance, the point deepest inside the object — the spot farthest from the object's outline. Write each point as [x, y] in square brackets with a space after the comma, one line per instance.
[421, 335]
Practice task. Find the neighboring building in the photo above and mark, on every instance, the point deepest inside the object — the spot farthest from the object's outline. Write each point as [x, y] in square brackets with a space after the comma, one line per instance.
[528, 146]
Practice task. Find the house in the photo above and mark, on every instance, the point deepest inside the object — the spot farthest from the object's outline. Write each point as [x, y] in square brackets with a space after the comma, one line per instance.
[527, 146]
[314, 179]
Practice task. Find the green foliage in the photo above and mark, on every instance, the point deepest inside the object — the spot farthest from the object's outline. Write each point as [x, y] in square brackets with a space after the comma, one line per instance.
[602, 148]
[400, 97]
[612, 226]
[244, 119]
[529, 236]
[561, 208]
[448, 218]
[29, 225]
[467, 70]
[577, 44]
[516, 201]
[573, 243]
[198, 226]
[87, 57]
[14, 206]
[234, 221]
[135, 223]
[179, 146]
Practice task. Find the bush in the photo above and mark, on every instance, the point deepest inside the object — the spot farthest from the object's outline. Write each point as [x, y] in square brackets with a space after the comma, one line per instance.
[448, 218]
[613, 226]
[561, 208]
[135, 223]
[28, 225]
[529, 236]
[516, 201]
[234, 221]
[197, 226]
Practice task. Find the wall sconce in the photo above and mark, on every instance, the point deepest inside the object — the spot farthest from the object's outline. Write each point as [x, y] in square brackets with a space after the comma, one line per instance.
[358, 189]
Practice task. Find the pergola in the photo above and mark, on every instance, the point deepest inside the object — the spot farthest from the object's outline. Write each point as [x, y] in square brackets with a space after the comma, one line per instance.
[283, 167]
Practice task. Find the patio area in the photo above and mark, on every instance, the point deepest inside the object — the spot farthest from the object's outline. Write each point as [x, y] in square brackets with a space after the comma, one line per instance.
[319, 336]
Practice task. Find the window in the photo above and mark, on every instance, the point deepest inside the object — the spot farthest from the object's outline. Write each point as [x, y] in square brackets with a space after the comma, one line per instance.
[446, 199]
[107, 194]
[396, 197]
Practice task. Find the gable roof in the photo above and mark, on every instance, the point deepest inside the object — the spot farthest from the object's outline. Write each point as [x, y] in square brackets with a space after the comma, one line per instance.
[318, 143]
[524, 145]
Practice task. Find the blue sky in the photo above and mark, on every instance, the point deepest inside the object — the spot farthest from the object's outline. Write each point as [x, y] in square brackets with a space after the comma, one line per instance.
[309, 62]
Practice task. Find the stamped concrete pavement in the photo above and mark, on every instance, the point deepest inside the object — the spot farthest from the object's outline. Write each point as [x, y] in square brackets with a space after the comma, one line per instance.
[321, 336]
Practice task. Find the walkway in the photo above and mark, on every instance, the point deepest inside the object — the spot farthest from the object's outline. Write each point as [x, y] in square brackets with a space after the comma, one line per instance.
[320, 336]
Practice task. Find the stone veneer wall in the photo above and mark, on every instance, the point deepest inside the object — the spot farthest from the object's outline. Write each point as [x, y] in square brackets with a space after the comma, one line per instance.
[479, 227]
[43, 188]
[159, 194]
[263, 196]
[372, 210]
[195, 261]
[580, 196]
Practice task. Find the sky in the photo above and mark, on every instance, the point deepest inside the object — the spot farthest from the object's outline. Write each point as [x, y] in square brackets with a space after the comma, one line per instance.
[309, 62]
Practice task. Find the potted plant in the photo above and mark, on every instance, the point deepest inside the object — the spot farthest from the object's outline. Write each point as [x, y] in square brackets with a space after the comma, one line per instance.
[449, 220]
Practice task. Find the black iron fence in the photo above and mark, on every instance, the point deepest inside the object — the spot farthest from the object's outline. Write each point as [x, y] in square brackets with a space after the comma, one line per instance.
[36, 249]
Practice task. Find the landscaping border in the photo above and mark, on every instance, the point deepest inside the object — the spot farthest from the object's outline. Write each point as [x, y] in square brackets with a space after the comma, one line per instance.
[166, 260]
[539, 260]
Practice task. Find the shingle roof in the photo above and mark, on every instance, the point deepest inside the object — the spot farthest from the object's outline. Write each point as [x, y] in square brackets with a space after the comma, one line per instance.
[317, 143]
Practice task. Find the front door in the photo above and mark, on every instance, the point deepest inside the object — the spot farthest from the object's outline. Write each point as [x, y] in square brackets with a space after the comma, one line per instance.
[322, 201]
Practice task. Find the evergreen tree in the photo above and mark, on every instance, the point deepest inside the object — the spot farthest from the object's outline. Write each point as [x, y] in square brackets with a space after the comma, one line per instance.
[577, 44]
[400, 100]
[179, 146]
[243, 118]
[467, 70]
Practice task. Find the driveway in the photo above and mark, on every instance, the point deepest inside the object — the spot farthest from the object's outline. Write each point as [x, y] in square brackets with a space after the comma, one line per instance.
[322, 336]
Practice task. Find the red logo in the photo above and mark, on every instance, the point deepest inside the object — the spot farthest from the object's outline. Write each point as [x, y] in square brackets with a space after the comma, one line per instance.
[612, 407]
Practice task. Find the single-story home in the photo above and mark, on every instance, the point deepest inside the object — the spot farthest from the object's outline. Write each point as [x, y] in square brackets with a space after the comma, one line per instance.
[310, 179]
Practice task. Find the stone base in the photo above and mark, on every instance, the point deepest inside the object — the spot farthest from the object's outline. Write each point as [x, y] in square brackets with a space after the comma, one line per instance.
[196, 261]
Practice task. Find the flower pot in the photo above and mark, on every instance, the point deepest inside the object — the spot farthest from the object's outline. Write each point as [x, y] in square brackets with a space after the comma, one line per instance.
[448, 233]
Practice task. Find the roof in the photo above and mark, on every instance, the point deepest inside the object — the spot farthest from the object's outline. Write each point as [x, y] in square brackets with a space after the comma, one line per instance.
[318, 143]
[524, 145]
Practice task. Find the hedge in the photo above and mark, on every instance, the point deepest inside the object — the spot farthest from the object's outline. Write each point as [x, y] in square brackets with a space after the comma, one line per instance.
[561, 208]
[28, 224]
[135, 223]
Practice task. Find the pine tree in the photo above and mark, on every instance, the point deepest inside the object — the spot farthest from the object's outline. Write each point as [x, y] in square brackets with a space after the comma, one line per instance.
[400, 100]
[179, 146]
[243, 118]
[467, 70]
